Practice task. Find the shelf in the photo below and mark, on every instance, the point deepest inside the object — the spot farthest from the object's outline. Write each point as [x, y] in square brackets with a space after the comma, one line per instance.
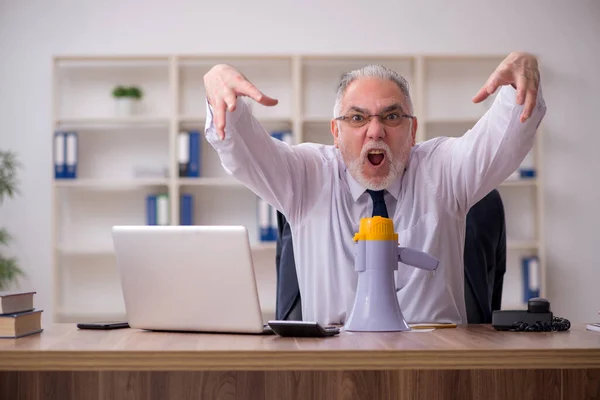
[108, 184]
[94, 122]
[453, 121]
[83, 252]
[192, 119]
[522, 245]
[497, 58]
[200, 119]
[118, 60]
[317, 120]
[519, 182]
[216, 181]
[267, 246]
[109, 251]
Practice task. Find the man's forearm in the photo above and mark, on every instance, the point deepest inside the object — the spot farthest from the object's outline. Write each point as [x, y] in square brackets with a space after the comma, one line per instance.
[465, 169]
[269, 167]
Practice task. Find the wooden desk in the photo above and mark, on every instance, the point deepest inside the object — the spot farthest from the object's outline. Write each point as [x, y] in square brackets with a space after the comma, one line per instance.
[470, 362]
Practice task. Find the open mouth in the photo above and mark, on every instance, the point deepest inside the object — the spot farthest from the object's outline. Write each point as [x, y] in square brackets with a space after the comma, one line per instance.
[376, 157]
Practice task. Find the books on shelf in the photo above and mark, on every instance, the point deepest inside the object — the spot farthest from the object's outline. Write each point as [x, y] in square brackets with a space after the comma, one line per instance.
[531, 277]
[522, 173]
[284, 136]
[18, 316]
[267, 221]
[66, 154]
[188, 154]
[157, 209]
[526, 169]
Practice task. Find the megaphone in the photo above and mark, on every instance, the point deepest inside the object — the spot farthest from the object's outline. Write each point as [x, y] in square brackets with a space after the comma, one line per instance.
[376, 257]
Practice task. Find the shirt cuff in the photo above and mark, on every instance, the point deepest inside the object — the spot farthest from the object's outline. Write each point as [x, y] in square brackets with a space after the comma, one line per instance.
[231, 118]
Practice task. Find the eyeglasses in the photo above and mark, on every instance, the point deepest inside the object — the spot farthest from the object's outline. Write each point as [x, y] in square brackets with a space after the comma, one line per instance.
[390, 118]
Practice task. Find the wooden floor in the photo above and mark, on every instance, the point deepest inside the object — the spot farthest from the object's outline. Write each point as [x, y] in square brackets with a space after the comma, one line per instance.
[404, 384]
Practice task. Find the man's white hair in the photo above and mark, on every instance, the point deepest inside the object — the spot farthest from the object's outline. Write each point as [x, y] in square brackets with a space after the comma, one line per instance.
[371, 71]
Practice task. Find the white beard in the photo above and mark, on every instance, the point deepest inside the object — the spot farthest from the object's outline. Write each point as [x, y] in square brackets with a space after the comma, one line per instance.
[356, 166]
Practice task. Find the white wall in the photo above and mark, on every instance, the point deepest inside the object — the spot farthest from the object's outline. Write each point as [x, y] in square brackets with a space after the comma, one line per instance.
[566, 37]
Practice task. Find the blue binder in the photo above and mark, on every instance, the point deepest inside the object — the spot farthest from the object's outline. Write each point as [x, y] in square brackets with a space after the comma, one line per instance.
[194, 159]
[531, 277]
[284, 136]
[151, 210]
[186, 210]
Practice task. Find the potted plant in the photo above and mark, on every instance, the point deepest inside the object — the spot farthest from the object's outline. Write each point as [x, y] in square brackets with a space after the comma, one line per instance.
[127, 99]
[9, 269]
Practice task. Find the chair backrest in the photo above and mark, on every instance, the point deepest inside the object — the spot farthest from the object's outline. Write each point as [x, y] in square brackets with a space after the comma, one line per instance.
[288, 302]
[485, 258]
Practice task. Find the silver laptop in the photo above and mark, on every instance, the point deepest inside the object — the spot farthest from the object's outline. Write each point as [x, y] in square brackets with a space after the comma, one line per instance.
[188, 278]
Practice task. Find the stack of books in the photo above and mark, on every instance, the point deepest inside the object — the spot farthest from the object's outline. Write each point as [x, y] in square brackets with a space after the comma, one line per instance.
[18, 316]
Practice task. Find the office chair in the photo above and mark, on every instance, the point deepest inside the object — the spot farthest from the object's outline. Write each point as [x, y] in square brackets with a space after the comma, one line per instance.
[484, 263]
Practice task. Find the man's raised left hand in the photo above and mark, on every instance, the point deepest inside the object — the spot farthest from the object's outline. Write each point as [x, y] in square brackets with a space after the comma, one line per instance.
[519, 70]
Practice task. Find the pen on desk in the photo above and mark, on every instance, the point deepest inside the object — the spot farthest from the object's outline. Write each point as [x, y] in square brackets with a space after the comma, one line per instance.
[431, 326]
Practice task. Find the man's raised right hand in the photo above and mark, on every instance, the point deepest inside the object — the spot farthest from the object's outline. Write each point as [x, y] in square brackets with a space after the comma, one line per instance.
[223, 85]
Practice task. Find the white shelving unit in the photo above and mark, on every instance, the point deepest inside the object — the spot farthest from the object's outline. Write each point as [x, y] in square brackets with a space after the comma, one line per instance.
[446, 87]
[107, 191]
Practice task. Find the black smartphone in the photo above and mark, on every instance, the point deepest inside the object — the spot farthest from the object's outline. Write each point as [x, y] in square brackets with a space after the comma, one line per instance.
[302, 329]
[103, 325]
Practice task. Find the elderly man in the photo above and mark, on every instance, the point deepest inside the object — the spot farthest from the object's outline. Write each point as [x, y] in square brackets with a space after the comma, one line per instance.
[376, 168]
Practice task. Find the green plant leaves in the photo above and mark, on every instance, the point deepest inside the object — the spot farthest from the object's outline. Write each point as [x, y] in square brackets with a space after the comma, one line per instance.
[9, 270]
[5, 237]
[127, 91]
[8, 174]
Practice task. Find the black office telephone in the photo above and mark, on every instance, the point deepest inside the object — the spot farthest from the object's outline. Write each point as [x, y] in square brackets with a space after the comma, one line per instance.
[537, 318]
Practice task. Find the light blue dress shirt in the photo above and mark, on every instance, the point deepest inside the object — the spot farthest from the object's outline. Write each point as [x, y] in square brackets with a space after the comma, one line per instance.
[311, 186]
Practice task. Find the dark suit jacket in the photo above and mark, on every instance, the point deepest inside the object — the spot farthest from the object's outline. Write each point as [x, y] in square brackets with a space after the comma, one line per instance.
[484, 258]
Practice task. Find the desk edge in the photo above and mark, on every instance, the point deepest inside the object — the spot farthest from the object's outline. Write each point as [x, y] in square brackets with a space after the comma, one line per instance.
[296, 360]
